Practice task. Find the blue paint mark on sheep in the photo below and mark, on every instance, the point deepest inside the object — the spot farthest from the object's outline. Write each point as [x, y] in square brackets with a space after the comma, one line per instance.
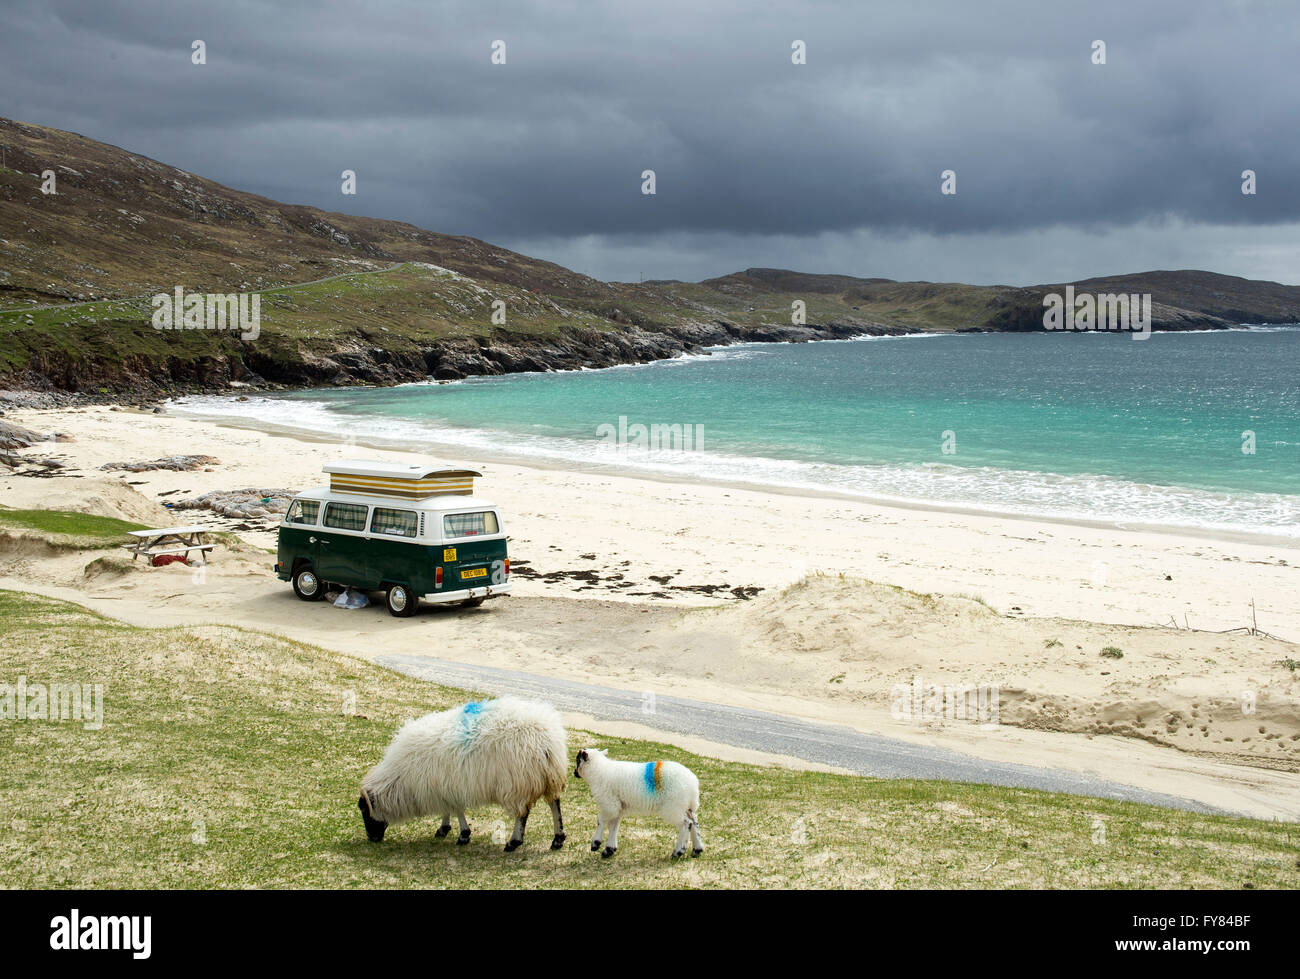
[651, 776]
[470, 715]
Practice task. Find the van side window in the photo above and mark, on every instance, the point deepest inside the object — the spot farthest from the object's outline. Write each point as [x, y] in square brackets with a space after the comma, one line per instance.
[302, 511]
[469, 524]
[345, 516]
[398, 523]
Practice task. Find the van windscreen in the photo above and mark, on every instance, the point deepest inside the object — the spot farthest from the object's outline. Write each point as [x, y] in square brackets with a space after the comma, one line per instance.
[470, 524]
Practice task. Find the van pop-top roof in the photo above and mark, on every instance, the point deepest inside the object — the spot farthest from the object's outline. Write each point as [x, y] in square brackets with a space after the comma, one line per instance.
[412, 482]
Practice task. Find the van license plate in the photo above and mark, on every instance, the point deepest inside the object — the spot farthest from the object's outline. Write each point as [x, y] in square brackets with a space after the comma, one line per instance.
[474, 573]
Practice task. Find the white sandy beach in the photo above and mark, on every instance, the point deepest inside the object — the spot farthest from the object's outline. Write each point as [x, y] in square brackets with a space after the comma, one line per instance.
[1168, 716]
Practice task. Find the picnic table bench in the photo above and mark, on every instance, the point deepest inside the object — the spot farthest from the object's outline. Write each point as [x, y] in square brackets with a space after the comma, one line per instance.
[169, 540]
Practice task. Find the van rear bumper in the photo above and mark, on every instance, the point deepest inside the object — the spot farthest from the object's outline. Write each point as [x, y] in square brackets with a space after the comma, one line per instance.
[487, 591]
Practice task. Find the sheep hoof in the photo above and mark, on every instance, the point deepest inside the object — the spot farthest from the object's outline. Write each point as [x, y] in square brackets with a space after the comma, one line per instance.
[441, 832]
[608, 852]
[463, 838]
[513, 845]
[558, 842]
[696, 853]
[595, 845]
[678, 854]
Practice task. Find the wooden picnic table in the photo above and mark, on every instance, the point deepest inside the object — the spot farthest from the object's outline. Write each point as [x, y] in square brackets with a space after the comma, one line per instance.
[169, 540]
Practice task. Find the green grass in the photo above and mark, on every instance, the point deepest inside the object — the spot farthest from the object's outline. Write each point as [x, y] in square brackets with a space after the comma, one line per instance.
[404, 309]
[227, 759]
[407, 300]
[1112, 652]
[65, 528]
[401, 310]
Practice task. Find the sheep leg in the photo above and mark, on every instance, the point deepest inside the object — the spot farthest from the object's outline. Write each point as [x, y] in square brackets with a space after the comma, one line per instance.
[611, 844]
[445, 828]
[517, 837]
[683, 831]
[558, 842]
[600, 833]
[697, 841]
[464, 829]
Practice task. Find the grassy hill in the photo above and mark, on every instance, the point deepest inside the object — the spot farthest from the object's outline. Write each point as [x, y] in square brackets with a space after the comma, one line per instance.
[349, 300]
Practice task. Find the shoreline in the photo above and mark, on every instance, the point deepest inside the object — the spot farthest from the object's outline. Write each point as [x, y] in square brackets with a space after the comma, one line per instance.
[451, 451]
[18, 397]
[32, 399]
[715, 534]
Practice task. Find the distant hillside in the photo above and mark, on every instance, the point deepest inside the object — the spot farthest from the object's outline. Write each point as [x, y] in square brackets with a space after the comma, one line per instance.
[400, 303]
[1180, 300]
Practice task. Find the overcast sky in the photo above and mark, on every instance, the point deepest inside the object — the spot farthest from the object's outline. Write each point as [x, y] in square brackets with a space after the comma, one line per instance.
[1065, 168]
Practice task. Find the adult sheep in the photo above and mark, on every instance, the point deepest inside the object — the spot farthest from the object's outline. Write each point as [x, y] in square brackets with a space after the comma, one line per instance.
[509, 752]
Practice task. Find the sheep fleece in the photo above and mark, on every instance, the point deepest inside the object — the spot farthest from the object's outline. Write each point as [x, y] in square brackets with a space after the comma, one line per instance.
[509, 751]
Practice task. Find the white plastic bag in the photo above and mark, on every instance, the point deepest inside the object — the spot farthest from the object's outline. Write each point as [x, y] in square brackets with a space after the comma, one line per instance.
[351, 598]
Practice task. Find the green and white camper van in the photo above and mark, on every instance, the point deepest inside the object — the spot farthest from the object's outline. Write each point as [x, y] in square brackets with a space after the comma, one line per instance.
[411, 531]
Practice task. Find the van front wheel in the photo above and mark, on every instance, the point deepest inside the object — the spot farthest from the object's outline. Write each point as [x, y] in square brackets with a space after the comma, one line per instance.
[307, 586]
[401, 601]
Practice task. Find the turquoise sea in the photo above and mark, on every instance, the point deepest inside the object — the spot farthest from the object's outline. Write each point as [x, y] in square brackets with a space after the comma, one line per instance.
[1092, 426]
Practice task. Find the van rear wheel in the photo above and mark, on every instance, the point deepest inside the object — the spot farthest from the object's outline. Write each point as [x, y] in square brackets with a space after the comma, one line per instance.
[401, 601]
[306, 585]
[471, 603]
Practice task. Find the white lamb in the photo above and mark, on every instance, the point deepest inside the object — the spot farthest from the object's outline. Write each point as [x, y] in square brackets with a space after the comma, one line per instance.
[509, 752]
[620, 787]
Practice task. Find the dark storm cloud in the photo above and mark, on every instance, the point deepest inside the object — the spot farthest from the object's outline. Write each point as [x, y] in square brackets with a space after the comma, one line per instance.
[746, 146]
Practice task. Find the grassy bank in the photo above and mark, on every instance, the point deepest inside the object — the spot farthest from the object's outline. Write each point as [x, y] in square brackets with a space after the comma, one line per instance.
[65, 528]
[229, 758]
[402, 309]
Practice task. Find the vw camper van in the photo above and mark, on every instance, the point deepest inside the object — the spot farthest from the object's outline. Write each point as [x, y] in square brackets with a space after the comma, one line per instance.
[412, 531]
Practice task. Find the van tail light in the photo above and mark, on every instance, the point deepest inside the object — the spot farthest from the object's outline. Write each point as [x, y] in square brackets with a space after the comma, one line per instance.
[507, 567]
[437, 577]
